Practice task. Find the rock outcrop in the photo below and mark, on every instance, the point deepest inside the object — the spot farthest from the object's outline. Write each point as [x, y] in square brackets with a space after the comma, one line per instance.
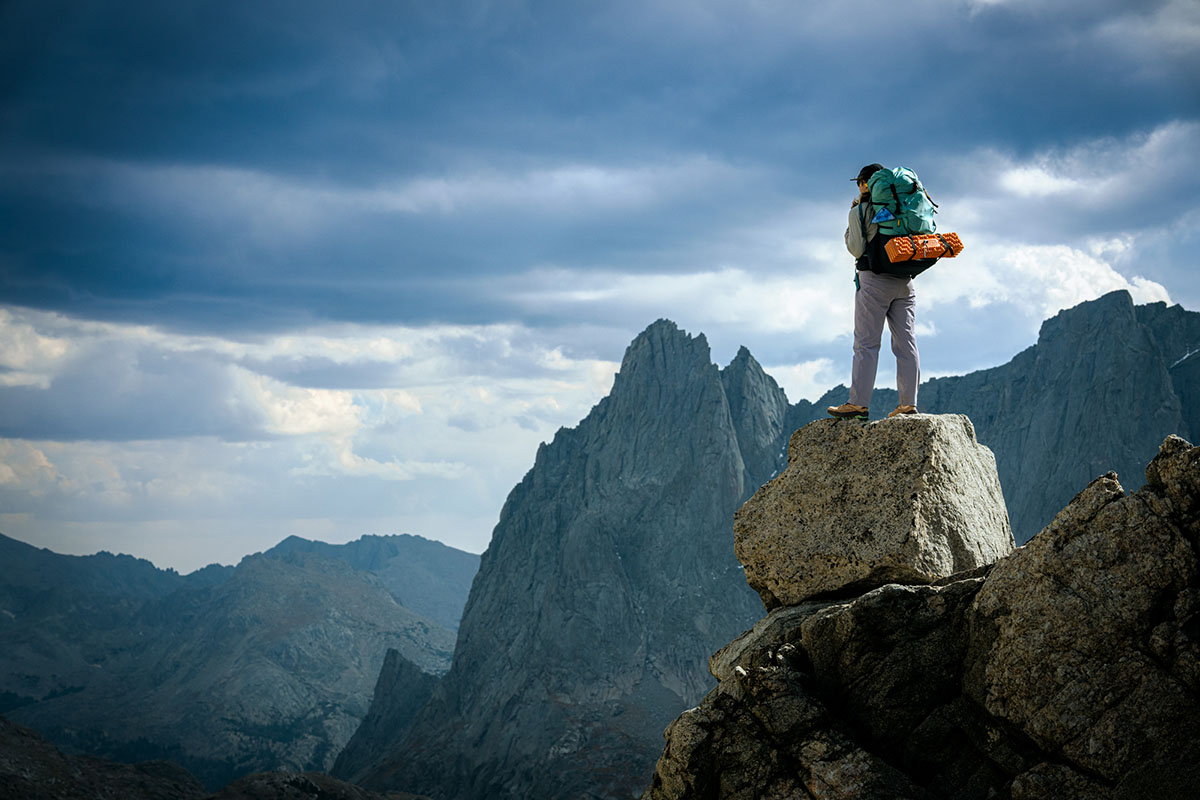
[905, 500]
[400, 692]
[1069, 669]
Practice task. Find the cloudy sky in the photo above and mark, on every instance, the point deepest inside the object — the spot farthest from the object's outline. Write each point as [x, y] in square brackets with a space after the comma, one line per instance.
[327, 269]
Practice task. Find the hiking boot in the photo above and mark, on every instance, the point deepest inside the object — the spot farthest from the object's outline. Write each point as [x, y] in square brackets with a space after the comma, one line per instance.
[848, 411]
[903, 410]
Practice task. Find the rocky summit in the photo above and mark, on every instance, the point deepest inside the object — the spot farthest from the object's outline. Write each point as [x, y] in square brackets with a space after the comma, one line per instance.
[1069, 669]
[905, 500]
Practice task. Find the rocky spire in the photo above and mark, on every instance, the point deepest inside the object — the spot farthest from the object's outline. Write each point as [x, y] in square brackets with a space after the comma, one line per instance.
[759, 409]
[609, 579]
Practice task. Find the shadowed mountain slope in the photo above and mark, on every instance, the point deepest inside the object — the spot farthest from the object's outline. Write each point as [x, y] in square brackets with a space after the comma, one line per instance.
[424, 576]
[226, 671]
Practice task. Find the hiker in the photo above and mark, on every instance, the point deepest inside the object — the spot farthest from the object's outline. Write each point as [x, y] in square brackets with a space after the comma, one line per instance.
[877, 297]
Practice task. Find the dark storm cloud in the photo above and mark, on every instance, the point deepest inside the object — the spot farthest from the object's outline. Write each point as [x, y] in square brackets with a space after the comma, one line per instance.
[212, 166]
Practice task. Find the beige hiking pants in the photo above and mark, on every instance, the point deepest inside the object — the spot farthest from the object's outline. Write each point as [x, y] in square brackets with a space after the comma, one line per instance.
[881, 297]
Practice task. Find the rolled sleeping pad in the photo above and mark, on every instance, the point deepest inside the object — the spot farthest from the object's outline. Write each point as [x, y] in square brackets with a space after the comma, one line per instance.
[923, 245]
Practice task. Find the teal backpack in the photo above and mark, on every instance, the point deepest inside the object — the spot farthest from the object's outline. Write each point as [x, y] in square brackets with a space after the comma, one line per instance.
[902, 206]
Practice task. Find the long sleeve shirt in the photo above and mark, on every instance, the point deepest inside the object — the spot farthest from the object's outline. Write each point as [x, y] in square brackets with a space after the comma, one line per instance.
[855, 242]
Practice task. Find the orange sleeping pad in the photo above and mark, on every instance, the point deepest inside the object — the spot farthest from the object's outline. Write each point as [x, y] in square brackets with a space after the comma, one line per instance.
[924, 245]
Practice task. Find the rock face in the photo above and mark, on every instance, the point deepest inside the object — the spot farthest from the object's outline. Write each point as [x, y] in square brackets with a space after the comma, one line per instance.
[400, 692]
[609, 579]
[905, 500]
[226, 671]
[1069, 669]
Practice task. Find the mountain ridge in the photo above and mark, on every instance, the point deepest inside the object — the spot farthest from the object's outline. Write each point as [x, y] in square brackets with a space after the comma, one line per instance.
[225, 671]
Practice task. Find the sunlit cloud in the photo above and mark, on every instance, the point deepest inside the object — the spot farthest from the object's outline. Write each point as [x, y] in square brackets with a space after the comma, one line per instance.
[1039, 280]
[810, 379]
[290, 448]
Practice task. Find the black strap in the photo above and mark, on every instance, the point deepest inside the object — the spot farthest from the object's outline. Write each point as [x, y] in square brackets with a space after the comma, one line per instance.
[862, 222]
[945, 244]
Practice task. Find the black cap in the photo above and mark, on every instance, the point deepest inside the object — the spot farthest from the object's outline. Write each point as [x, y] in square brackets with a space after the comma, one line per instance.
[866, 172]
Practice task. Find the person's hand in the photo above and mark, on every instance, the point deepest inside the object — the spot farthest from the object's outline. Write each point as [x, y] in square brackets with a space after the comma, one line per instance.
[857, 200]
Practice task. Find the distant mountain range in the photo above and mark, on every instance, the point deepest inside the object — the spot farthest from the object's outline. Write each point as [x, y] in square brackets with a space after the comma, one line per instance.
[611, 577]
[227, 670]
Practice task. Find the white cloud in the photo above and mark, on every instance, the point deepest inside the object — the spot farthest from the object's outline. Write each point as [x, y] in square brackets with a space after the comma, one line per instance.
[297, 411]
[27, 357]
[818, 306]
[1040, 280]
[1059, 184]
[810, 379]
[1037, 181]
[25, 466]
[1030, 225]
[389, 452]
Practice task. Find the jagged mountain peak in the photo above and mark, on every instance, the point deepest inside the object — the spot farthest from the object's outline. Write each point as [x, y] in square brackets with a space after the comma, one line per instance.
[743, 357]
[759, 409]
[661, 345]
[1114, 308]
[745, 367]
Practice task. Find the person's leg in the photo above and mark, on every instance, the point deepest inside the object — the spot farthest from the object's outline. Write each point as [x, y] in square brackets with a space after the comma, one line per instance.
[870, 307]
[901, 317]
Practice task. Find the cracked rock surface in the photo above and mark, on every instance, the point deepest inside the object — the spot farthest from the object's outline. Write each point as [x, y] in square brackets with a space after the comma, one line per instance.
[1068, 669]
[905, 500]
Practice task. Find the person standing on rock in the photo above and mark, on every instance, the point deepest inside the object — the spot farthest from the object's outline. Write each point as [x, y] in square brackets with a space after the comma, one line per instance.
[878, 297]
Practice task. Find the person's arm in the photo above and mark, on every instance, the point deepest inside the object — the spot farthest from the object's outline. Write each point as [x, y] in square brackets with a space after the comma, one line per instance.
[854, 234]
